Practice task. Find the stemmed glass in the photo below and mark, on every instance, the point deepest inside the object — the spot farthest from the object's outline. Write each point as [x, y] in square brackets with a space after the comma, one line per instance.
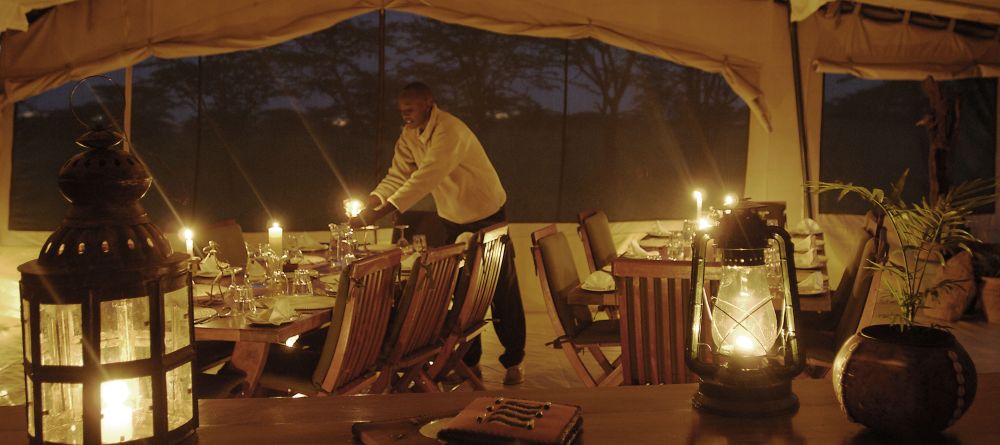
[402, 242]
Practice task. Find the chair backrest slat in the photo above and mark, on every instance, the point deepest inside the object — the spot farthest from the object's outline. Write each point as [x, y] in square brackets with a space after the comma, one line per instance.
[652, 304]
[361, 315]
[424, 304]
[484, 269]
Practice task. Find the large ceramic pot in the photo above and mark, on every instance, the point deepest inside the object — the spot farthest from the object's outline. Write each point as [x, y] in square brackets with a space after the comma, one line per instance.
[905, 384]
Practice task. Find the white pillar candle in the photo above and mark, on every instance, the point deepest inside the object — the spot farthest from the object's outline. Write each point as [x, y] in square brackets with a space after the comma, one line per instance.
[116, 414]
[697, 200]
[189, 242]
[274, 238]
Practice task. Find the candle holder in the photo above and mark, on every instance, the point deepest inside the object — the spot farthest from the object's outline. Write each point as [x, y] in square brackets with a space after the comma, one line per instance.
[106, 313]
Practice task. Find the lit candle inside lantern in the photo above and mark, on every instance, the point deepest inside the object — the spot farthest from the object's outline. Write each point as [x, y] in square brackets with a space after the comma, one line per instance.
[189, 242]
[274, 237]
[729, 201]
[353, 207]
[704, 223]
[697, 200]
[116, 415]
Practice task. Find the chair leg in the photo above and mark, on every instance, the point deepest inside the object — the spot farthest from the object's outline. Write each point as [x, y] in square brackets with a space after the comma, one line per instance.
[572, 354]
[601, 358]
[423, 382]
[614, 378]
[384, 381]
[470, 376]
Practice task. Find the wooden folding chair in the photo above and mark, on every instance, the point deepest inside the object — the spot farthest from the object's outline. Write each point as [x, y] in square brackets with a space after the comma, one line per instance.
[415, 334]
[348, 361]
[467, 318]
[595, 232]
[575, 329]
[821, 346]
[652, 302]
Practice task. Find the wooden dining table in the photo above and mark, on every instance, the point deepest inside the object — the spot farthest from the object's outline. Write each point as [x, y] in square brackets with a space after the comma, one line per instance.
[815, 302]
[660, 414]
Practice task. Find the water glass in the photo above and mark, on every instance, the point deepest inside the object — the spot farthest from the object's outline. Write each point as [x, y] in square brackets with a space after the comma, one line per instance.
[675, 246]
[241, 300]
[301, 283]
[277, 284]
[402, 242]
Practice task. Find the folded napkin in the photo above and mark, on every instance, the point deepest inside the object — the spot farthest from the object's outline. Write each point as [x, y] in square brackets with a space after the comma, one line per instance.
[803, 244]
[308, 243]
[812, 283]
[636, 251]
[464, 238]
[209, 266]
[807, 226]
[660, 228]
[805, 259]
[279, 310]
[599, 281]
[408, 262]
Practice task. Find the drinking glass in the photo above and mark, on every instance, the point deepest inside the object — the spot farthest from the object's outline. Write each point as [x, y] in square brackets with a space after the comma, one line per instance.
[241, 300]
[301, 283]
[402, 242]
[277, 284]
[675, 246]
[420, 243]
[259, 262]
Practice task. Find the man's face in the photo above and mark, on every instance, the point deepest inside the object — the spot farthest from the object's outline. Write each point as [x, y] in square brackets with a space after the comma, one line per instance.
[415, 111]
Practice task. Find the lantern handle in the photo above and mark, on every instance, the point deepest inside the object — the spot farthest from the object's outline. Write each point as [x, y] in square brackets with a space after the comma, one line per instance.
[72, 106]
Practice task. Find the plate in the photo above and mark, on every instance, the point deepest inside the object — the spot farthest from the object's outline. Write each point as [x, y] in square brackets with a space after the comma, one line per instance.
[261, 322]
[207, 274]
[308, 303]
[311, 260]
[811, 291]
[313, 248]
[815, 265]
[654, 242]
[332, 279]
[202, 313]
[379, 247]
[659, 234]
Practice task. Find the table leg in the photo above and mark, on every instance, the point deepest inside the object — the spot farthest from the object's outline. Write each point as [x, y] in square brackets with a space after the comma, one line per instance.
[250, 357]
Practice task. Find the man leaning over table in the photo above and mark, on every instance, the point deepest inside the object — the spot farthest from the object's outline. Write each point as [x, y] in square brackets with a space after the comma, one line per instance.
[437, 153]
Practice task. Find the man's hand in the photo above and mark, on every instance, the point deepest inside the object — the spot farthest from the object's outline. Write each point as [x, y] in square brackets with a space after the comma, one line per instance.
[368, 216]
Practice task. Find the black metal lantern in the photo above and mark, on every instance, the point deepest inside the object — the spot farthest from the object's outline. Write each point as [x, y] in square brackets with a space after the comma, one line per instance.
[106, 313]
[742, 342]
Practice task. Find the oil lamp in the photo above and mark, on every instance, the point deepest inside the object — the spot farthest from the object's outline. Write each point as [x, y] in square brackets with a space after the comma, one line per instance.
[742, 341]
[106, 312]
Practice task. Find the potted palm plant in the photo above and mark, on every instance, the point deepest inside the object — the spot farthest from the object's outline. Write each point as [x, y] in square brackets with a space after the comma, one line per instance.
[903, 378]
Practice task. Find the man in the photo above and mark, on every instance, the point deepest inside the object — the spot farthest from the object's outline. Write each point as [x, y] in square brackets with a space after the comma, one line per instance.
[437, 153]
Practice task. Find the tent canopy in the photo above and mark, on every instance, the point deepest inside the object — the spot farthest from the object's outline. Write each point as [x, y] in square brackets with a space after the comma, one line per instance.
[745, 41]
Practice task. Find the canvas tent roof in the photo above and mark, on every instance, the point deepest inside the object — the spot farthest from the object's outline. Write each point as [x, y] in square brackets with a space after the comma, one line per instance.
[746, 41]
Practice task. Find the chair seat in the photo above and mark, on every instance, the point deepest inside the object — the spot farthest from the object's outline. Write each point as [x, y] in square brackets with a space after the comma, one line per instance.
[290, 370]
[224, 384]
[210, 353]
[600, 332]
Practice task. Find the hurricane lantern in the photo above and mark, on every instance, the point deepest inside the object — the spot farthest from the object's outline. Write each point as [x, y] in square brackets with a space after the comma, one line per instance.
[106, 312]
[742, 341]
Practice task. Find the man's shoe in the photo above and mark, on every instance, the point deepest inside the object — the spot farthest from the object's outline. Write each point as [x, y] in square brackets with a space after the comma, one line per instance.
[514, 375]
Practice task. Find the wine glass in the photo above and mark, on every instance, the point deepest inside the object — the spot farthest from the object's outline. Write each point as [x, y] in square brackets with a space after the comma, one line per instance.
[402, 242]
[420, 243]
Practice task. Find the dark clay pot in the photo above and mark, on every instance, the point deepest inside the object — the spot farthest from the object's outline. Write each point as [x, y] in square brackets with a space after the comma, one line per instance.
[904, 384]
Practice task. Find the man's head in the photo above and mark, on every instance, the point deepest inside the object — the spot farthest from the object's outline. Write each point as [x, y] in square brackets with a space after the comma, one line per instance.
[415, 104]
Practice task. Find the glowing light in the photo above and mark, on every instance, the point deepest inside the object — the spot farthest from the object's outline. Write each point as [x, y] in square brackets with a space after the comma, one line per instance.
[704, 223]
[743, 344]
[116, 415]
[353, 207]
[291, 341]
[188, 241]
[729, 201]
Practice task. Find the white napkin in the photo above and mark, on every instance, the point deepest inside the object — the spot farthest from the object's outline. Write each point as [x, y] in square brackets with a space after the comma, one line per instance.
[599, 281]
[808, 260]
[408, 262]
[660, 228]
[279, 310]
[636, 251]
[464, 238]
[807, 226]
[209, 266]
[812, 283]
[803, 244]
[307, 242]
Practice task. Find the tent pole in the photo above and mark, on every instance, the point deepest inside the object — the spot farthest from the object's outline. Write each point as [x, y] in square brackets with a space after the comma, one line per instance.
[565, 112]
[380, 116]
[793, 31]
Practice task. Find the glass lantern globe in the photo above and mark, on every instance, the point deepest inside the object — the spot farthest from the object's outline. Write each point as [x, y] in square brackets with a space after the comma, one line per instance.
[742, 341]
[106, 313]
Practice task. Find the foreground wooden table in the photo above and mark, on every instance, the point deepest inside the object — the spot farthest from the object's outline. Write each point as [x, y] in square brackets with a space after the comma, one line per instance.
[622, 415]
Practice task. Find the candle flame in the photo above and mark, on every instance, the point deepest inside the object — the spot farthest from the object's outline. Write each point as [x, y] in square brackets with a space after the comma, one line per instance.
[275, 225]
[729, 200]
[353, 207]
[743, 344]
[188, 234]
[697, 195]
